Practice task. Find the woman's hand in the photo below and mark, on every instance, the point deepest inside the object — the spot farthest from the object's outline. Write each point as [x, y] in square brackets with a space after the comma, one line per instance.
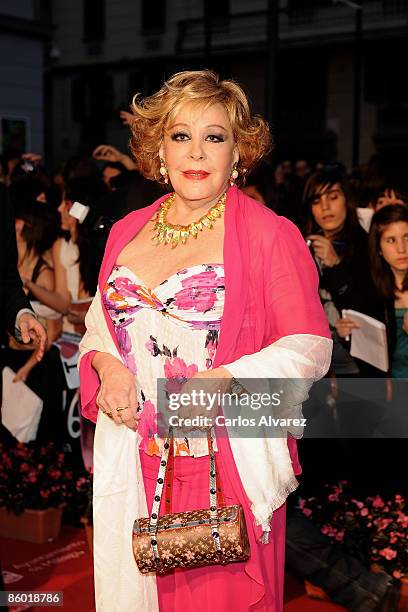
[209, 382]
[107, 153]
[344, 327]
[32, 330]
[34, 158]
[127, 118]
[117, 390]
[324, 250]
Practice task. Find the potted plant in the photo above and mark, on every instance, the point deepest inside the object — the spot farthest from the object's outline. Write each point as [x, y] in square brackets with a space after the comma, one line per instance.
[35, 484]
[372, 528]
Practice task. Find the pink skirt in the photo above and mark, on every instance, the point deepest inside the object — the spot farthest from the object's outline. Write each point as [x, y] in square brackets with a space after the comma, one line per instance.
[218, 588]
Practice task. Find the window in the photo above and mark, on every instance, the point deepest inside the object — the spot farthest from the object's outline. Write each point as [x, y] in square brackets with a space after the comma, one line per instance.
[153, 15]
[217, 13]
[94, 20]
[220, 9]
[384, 81]
[395, 7]
[43, 11]
[92, 97]
[304, 12]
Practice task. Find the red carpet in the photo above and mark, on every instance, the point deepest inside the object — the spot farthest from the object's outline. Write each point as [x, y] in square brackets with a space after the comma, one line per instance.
[62, 565]
[66, 565]
[296, 599]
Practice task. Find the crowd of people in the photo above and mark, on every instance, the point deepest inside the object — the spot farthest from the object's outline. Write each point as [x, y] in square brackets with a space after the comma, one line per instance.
[361, 253]
[354, 225]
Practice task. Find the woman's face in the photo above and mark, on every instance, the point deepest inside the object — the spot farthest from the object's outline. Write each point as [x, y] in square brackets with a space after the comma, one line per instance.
[279, 175]
[394, 245]
[199, 151]
[68, 223]
[329, 208]
[388, 197]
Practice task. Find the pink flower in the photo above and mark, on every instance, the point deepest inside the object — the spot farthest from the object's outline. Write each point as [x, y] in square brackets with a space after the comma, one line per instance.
[177, 372]
[340, 535]
[24, 467]
[359, 504]
[148, 423]
[383, 523]
[211, 349]
[402, 519]
[307, 511]
[333, 497]
[150, 346]
[378, 502]
[364, 511]
[399, 499]
[397, 574]
[388, 553]
[198, 291]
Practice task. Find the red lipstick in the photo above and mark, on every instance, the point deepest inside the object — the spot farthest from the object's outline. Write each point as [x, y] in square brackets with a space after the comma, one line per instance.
[196, 175]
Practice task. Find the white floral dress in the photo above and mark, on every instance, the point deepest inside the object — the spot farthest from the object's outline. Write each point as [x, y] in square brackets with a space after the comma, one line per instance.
[170, 331]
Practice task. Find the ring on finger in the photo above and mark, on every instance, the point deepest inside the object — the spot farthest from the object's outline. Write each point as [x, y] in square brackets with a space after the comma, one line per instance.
[120, 408]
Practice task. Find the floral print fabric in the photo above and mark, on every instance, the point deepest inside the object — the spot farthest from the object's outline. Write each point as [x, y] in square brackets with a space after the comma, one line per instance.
[170, 331]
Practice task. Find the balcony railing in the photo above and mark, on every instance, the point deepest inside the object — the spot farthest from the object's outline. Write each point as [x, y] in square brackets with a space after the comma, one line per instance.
[249, 29]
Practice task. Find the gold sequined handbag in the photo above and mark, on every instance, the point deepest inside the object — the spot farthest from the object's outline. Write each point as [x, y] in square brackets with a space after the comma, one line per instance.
[215, 535]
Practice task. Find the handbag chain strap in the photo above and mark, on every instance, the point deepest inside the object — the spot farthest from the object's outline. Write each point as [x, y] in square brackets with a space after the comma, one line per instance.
[166, 476]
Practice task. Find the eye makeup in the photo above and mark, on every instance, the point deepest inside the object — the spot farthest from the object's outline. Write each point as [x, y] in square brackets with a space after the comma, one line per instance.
[183, 136]
[179, 136]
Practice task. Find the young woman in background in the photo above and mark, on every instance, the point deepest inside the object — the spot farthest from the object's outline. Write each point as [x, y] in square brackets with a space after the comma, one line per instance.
[36, 231]
[388, 242]
[75, 262]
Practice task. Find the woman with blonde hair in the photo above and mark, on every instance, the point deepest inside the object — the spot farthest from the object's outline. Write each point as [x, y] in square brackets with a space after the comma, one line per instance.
[204, 284]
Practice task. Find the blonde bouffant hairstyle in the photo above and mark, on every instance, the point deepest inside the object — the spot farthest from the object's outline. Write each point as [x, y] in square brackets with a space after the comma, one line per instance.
[202, 88]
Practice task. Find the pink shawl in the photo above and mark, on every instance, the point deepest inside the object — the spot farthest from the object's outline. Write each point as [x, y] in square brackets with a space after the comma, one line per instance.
[270, 292]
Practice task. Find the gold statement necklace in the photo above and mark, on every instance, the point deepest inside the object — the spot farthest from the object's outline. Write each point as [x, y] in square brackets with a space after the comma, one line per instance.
[167, 233]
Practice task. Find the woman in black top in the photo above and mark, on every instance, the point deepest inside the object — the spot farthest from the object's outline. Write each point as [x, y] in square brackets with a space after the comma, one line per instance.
[388, 242]
[339, 246]
[36, 230]
[338, 243]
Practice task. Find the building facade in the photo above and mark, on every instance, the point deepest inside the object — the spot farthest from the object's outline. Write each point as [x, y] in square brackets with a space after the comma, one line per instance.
[105, 51]
[25, 31]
